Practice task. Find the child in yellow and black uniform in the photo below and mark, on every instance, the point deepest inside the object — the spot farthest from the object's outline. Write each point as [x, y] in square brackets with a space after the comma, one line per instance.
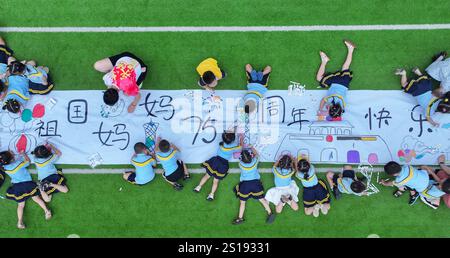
[17, 94]
[51, 179]
[334, 103]
[22, 187]
[144, 162]
[346, 182]
[218, 166]
[40, 81]
[257, 83]
[174, 169]
[6, 58]
[210, 73]
[421, 89]
[250, 185]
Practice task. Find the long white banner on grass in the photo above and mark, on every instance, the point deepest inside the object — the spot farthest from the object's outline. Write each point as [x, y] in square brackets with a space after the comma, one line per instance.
[378, 126]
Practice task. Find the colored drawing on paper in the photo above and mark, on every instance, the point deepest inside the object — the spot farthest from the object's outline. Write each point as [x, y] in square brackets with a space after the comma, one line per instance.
[150, 134]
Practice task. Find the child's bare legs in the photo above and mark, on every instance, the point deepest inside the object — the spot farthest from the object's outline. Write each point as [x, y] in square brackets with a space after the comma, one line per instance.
[265, 203]
[403, 79]
[241, 209]
[45, 196]
[214, 186]
[321, 72]
[203, 181]
[279, 207]
[294, 205]
[324, 208]
[31, 62]
[185, 170]
[2, 41]
[41, 203]
[330, 178]
[61, 188]
[417, 71]
[103, 65]
[309, 211]
[348, 60]
[248, 68]
[20, 208]
[267, 70]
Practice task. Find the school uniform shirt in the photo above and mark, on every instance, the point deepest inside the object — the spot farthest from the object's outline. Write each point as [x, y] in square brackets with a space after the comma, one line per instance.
[226, 150]
[343, 185]
[312, 177]
[168, 161]
[249, 171]
[209, 64]
[440, 71]
[432, 192]
[144, 168]
[17, 170]
[35, 74]
[283, 177]
[3, 69]
[18, 87]
[338, 94]
[46, 167]
[413, 178]
[255, 91]
[428, 103]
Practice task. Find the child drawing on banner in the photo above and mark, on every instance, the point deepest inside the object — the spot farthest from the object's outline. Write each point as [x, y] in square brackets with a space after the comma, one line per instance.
[333, 105]
[40, 81]
[285, 190]
[210, 74]
[22, 186]
[437, 188]
[124, 72]
[18, 93]
[144, 162]
[443, 173]
[346, 182]
[315, 192]
[406, 177]
[174, 169]
[6, 58]
[51, 179]
[439, 70]
[421, 89]
[250, 185]
[257, 83]
[217, 166]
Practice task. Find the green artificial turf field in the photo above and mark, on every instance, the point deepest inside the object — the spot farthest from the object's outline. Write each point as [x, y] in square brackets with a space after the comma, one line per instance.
[95, 207]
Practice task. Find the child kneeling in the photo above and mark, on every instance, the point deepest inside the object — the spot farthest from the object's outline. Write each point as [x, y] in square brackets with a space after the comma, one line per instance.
[174, 169]
[144, 162]
[345, 182]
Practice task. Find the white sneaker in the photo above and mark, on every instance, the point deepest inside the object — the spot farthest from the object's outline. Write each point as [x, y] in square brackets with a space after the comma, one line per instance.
[323, 210]
[316, 211]
[197, 189]
[210, 197]
[427, 202]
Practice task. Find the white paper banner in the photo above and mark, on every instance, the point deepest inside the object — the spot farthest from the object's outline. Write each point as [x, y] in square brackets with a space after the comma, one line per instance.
[378, 126]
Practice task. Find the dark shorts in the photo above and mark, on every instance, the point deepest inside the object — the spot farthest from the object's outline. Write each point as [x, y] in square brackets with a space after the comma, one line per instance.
[5, 53]
[216, 167]
[249, 189]
[317, 194]
[177, 174]
[341, 77]
[57, 179]
[40, 89]
[347, 173]
[2, 178]
[253, 79]
[202, 83]
[141, 77]
[21, 192]
[419, 86]
[132, 177]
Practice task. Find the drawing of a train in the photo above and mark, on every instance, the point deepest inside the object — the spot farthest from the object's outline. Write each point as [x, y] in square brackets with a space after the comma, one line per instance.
[333, 142]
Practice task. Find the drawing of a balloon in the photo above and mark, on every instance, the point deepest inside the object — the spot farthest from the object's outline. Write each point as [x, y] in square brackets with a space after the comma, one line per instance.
[38, 111]
[22, 143]
[26, 115]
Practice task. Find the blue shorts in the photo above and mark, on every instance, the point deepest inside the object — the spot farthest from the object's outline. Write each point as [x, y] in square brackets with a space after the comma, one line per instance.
[317, 194]
[419, 86]
[57, 179]
[341, 77]
[249, 189]
[21, 192]
[258, 77]
[216, 167]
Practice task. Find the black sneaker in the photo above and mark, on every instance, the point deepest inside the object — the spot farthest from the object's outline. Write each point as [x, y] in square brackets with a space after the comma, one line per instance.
[238, 221]
[398, 193]
[186, 177]
[270, 218]
[443, 54]
[336, 193]
[177, 186]
[427, 202]
[413, 198]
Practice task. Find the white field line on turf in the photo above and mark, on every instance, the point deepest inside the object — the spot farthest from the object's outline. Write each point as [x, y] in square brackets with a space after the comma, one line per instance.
[232, 28]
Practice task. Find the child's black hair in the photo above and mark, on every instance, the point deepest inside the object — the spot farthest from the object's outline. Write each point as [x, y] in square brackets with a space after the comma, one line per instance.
[2, 86]
[41, 152]
[140, 148]
[335, 110]
[446, 186]
[303, 166]
[444, 105]
[246, 156]
[228, 137]
[357, 186]
[16, 68]
[285, 162]
[6, 157]
[392, 168]
[111, 96]
[208, 77]
[12, 106]
[164, 146]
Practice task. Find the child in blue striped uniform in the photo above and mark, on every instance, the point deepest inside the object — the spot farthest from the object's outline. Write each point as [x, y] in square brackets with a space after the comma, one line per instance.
[22, 187]
[174, 169]
[315, 192]
[40, 81]
[346, 182]
[257, 83]
[250, 185]
[436, 189]
[333, 105]
[51, 179]
[285, 190]
[144, 162]
[217, 166]
[421, 89]
[18, 93]
[406, 178]
[6, 58]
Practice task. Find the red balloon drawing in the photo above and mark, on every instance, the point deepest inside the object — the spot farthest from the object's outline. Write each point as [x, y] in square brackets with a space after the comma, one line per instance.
[38, 111]
[21, 144]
